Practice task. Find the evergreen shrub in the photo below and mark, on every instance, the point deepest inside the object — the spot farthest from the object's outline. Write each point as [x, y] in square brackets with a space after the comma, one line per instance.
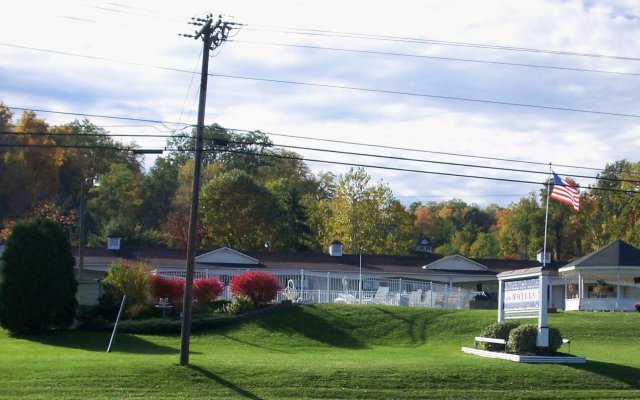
[522, 339]
[555, 339]
[38, 290]
[498, 330]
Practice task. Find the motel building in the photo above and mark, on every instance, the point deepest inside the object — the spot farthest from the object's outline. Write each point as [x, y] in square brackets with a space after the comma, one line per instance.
[605, 280]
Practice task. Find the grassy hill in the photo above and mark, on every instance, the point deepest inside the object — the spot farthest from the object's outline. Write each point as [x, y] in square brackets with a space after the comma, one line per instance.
[325, 351]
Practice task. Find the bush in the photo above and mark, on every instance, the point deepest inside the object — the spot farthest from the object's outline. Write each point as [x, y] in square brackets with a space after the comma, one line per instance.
[206, 290]
[260, 287]
[100, 315]
[498, 330]
[38, 289]
[555, 339]
[164, 287]
[140, 311]
[523, 339]
[239, 305]
[128, 278]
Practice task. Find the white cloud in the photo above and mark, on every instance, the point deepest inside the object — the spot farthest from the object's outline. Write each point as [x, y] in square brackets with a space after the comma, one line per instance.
[145, 32]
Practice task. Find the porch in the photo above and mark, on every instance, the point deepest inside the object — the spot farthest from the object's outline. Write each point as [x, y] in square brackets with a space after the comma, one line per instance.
[599, 289]
[605, 280]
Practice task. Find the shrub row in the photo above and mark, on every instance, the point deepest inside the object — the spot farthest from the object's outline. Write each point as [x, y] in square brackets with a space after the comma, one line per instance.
[520, 338]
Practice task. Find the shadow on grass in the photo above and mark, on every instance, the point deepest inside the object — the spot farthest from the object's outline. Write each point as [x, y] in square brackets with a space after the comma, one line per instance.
[210, 375]
[98, 341]
[415, 325]
[295, 320]
[227, 336]
[621, 373]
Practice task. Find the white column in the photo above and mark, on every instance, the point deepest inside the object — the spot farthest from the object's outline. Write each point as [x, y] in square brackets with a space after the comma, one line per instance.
[618, 293]
[328, 288]
[543, 329]
[500, 301]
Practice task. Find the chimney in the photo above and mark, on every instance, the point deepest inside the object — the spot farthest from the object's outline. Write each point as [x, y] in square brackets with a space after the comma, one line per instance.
[335, 249]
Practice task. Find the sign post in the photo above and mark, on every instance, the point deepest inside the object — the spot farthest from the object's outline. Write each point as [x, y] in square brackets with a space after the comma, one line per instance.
[523, 294]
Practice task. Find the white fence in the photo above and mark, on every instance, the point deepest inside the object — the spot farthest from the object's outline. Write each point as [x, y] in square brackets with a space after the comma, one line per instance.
[332, 287]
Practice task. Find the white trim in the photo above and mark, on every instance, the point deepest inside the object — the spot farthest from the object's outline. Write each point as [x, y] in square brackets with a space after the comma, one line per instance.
[526, 359]
[235, 257]
[470, 264]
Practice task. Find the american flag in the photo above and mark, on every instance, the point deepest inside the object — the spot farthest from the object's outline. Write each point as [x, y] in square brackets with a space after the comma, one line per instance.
[565, 192]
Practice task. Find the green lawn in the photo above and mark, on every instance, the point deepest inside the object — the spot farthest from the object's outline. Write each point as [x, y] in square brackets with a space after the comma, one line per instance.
[328, 351]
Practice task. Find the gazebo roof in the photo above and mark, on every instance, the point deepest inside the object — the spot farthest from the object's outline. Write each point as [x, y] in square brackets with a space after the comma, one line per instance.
[615, 254]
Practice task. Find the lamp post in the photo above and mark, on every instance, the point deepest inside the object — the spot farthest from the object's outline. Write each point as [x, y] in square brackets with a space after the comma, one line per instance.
[94, 181]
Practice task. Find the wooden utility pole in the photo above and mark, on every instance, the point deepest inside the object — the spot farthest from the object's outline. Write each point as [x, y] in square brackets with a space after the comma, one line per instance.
[213, 35]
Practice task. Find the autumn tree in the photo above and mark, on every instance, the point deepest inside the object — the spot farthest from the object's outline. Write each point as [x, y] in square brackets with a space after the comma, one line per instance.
[176, 225]
[522, 234]
[367, 217]
[30, 171]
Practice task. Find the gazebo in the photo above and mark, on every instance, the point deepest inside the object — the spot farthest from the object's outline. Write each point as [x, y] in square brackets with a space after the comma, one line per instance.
[605, 280]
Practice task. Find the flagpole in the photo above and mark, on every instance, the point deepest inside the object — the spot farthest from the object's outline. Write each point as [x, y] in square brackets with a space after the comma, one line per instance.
[546, 222]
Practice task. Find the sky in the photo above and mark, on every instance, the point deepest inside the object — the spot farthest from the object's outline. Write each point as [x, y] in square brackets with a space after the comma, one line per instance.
[433, 97]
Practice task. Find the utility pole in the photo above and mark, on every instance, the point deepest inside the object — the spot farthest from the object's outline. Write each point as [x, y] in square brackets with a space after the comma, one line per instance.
[213, 35]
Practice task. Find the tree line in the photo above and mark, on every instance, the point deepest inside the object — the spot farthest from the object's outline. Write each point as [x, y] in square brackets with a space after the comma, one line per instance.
[256, 196]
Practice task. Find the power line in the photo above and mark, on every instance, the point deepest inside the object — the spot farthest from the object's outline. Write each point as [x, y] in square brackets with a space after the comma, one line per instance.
[333, 162]
[427, 95]
[328, 33]
[416, 171]
[155, 121]
[332, 151]
[420, 151]
[354, 88]
[385, 53]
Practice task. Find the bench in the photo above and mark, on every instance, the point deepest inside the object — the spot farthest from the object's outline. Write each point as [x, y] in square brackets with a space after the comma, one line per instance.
[567, 341]
[481, 339]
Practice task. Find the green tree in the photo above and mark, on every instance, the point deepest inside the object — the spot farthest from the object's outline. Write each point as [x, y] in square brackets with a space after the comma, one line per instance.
[116, 203]
[244, 151]
[485, 246]
[293, 232]
[238, 212]
[38, 290]
[159, 187]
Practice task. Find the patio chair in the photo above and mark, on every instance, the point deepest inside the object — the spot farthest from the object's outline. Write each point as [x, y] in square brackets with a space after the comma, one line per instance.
[415, 298]
[380, 297]
[290, 292]
[345, 298]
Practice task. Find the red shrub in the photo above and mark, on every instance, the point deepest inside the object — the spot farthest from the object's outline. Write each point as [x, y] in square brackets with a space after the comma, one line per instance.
[260, 287]
[206, 290]
[161, 286]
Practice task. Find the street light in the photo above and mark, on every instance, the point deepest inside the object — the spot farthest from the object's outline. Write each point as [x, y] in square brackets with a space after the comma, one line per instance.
[94, 181]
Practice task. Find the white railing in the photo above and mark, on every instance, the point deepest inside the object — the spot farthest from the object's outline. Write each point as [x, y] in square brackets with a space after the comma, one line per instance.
[600, 304]
[332, 287]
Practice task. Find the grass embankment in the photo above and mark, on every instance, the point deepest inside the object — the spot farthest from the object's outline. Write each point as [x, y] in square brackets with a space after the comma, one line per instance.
[328, 351]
